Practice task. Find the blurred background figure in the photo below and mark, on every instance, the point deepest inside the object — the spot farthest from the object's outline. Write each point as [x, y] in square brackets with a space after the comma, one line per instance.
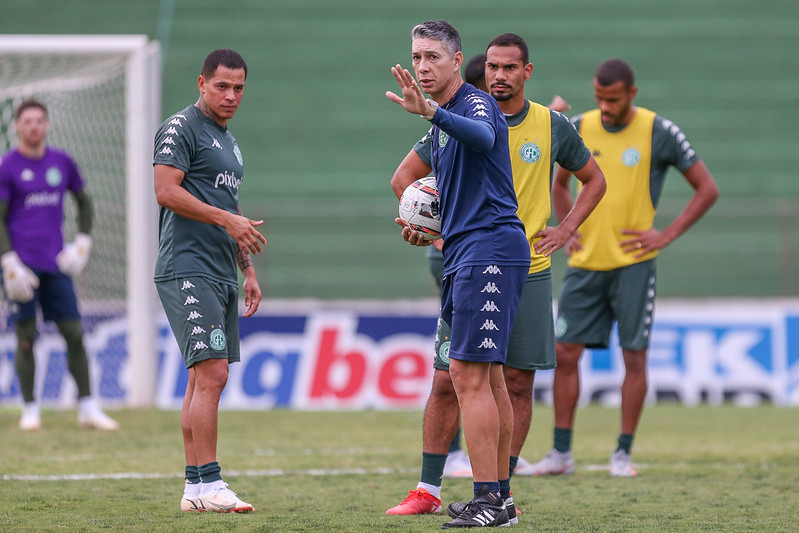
[37, 265]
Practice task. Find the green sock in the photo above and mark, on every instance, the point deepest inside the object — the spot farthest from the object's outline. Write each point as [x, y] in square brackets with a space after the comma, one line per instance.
[24, 361]
[455, 444]
[433, 468]
[193, 474]
[625, 442]
[513, 462]
[210, 472]
[563, 439]
[78, 364]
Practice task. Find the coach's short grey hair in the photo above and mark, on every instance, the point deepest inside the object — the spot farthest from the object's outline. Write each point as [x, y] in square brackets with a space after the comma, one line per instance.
[439, 30]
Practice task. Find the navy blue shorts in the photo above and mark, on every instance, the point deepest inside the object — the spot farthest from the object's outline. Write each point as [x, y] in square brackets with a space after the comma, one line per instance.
[56, 297]
[479, 303]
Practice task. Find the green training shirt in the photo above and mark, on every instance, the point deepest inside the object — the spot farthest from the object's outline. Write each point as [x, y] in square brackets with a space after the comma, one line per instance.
[211, 158]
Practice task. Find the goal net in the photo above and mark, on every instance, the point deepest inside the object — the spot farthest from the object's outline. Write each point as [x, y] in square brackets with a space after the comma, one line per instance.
[103, 99]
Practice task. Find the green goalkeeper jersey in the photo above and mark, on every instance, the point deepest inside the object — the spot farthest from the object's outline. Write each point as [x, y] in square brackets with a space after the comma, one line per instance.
[213, 166]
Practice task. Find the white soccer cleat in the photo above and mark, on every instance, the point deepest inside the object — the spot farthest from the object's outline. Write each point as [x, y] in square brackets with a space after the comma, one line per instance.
[221, 499]
[457, 465]
[90, 416]
[191, 498]
[523, 468]
[621, 464]
[554, 464]
[31, 419]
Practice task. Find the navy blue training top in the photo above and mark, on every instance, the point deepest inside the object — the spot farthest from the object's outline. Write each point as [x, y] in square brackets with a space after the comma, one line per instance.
[475, 182]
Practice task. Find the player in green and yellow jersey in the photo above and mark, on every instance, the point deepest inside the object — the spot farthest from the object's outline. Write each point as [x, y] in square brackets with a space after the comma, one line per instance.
[611, 275]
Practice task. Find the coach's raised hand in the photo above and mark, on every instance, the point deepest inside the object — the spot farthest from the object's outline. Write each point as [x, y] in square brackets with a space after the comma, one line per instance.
[412, 99]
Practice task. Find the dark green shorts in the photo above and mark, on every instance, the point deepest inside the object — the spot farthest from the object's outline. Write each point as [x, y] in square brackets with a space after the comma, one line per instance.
[590, 301]
[532, 339]
[203, 315]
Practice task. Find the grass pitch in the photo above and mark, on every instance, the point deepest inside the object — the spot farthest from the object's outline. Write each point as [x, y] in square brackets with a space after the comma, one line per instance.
[700, 469]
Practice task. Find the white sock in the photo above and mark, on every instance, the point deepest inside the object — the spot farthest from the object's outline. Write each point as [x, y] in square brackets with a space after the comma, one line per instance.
[208, 488]
[87, 405]
[432, 489]
[30, 407]
[192, 490]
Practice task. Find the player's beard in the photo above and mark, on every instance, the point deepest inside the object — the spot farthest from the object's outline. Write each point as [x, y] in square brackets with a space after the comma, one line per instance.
[505, 96]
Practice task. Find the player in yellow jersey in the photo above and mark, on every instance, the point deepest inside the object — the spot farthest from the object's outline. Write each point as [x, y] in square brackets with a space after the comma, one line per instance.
[537, 138]
[611, 275]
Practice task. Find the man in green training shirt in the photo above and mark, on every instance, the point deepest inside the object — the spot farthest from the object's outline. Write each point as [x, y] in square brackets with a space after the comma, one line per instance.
[198, 170]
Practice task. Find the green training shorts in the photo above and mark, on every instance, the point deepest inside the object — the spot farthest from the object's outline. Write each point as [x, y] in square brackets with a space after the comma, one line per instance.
[203, 315]
[590, 301]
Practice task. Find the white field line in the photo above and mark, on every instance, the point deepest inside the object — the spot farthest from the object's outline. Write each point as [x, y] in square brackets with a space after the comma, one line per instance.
[255, 473]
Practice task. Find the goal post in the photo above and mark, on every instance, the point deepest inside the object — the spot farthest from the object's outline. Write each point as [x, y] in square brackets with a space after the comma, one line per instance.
[103, 94]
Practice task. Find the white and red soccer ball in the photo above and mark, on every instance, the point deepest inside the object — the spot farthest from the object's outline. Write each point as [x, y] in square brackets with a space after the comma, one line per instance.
[419, 208]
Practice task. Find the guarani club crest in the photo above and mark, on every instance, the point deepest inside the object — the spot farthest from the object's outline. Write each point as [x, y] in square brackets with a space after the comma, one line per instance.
[530, 152]
[442, 138]
[217, 340]
[630, 157]
[53, 176]
[237, 153]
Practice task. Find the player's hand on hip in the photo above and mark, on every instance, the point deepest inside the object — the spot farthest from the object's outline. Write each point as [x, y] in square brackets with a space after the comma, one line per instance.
[551, 240]
[642, 242]
[19, 281]
[412, 99]
[72, 259]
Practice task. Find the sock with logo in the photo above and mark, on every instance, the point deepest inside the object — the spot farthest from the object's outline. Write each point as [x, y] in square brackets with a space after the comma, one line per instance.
[493, 486]
[210, 472]
[625, 442]
[513, 462]
[433, 468]
[563, 439]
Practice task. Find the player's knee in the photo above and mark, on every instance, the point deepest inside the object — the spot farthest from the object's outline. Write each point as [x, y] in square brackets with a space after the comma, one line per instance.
[519, 382]
[568, 355]
[635, 361]
[211, 375]
[72, 332]
[442, 386]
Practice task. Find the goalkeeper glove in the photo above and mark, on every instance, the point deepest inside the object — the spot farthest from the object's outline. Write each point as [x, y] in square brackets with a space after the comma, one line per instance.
[19, 281]
[73, 258]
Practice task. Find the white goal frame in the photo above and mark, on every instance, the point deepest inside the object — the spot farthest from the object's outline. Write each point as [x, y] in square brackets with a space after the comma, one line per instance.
[142, 117]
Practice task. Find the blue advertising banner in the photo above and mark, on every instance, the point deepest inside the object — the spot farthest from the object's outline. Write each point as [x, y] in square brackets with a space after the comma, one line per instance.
[379, 355]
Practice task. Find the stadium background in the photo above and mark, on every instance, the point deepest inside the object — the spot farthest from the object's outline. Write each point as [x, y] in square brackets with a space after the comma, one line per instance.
[321, 141]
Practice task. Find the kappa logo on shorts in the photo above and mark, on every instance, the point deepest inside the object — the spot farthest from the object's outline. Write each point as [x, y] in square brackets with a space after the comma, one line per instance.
[187, 285]
[191, 300]
[492, 269]
[487, 344]
[217, 340]
[491, 287]
[194, 315]
[489, 325]
[490, 306]
[197, 330]
[200, 345]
